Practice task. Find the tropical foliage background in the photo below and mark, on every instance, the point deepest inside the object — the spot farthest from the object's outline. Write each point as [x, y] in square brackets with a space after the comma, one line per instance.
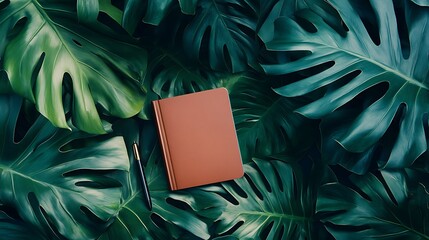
[330, 101]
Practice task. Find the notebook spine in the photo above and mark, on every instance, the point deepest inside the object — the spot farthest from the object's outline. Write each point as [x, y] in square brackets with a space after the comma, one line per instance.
[164, 145]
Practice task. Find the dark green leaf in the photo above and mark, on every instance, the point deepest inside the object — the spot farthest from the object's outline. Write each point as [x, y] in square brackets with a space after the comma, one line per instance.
[87, 10]
[273, 9]
[424, 3]
[274, 201]
[188, 6]
[152, 11]
[354, 62]
[45, 45]
[11, 228]
[165, 221]
[133, 14]
[57, 179]
[265, 122]
[4, 83]
[223, 32]
[377, 208]
[170, 75]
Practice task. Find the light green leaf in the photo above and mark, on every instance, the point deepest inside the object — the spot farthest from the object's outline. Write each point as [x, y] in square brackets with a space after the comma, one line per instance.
[222, 33]
[165, 221]
[272, 201]
[47, 46]
[59, 180]
[355, 62]
[371, 209]
[265, 122]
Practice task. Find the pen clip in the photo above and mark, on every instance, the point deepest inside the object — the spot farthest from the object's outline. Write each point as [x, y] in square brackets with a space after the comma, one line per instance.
[136, 151]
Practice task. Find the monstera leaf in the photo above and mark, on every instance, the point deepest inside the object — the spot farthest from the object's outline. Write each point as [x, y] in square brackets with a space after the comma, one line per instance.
[223, 32]
[354, 61]
[165, 221]
[43, 48]
[272, 201]
[265, 122]
[158, 9]
[56, 179]
[270, 10]
[170, 76]
[11, 228]
[384, 207]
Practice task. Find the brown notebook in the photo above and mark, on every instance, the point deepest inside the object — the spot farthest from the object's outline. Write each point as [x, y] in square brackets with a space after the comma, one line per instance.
[198, 138]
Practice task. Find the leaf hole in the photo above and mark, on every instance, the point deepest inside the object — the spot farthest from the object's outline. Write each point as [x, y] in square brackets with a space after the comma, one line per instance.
[91, 216]
[108, 21]
[81, 143]
[365, 98]
[264, 180]
[4, 4]
[279, 180]
[54, 230]
[228, 197]
[237, 189]
[42, 215]
[358, 189]
[296, 55]
[24, 123]
[281, 232]
[389, 138]
[380, 178]
[266, 230]
[233, 229]
[158, 221]
[346, 228]
[254, 188]
[195, 87]
[368, 17]
[204, 49]
[250, 33]
[77, 42]
[102, 183]
[227, 58]
[19, 25]
[36, 70]
[305, 24]
[332, 17]
[402, 30]
[178, 204]
[120, 4]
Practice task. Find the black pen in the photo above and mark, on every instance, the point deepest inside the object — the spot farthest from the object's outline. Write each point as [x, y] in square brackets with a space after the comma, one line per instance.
[142, 176]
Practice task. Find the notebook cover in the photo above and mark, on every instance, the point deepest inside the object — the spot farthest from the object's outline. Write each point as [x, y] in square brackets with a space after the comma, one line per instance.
[198, 138]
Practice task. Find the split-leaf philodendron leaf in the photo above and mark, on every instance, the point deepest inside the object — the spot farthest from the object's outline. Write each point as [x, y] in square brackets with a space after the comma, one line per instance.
[219, 22]
[45, 52]
[265, 122]
[53, 180]
[165, 221]
[11, 228]
[273, 201]
[384, 207]
[355, 60]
